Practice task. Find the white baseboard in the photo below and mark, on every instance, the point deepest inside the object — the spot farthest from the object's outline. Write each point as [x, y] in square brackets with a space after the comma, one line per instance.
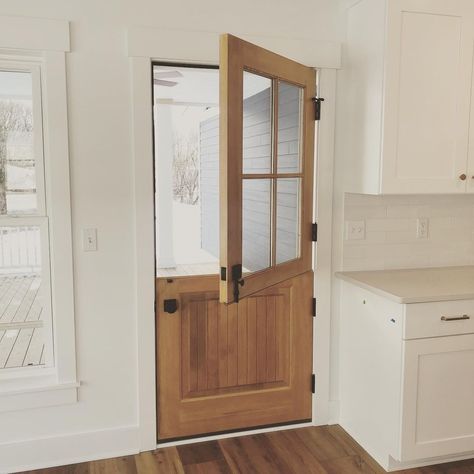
[68, 449]
[394, 465]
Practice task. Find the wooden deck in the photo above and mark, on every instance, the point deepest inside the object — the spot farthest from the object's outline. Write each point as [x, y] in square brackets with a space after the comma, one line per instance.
[21, 325]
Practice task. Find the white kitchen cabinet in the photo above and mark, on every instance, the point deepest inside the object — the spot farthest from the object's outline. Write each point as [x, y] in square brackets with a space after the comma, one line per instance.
[405, 95]
[438, 397]
[407, 378]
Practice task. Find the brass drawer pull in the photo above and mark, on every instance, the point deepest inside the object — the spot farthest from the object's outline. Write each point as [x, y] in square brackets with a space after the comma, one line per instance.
[455, 318]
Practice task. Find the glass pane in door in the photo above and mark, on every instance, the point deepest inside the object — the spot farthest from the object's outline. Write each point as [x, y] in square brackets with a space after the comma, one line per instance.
[257, 124]
[256, 224]
[288, 219]
[290, 113]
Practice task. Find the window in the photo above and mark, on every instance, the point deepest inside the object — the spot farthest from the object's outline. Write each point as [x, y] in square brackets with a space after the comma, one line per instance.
[25, 293]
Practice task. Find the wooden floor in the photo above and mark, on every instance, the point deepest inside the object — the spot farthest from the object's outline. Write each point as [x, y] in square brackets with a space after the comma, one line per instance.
[315, 450]
[21, 336]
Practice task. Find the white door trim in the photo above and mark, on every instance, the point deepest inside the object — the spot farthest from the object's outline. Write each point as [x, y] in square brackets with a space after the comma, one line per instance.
[142, 149]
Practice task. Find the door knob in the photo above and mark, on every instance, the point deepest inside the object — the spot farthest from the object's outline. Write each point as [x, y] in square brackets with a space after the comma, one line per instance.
[463, 177]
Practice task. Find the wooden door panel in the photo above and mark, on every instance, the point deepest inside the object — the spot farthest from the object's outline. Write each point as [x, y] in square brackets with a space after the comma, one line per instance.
[225, 347]
[223, 367]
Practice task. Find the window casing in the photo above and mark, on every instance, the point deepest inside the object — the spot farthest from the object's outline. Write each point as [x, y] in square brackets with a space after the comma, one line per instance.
[39, 47]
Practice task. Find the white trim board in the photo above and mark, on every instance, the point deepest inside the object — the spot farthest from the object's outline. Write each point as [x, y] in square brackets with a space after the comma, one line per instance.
[67, 449]
[202, 46]
[38, 34]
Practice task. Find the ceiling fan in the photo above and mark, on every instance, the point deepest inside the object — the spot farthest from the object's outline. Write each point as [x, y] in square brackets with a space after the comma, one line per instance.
[160, 76]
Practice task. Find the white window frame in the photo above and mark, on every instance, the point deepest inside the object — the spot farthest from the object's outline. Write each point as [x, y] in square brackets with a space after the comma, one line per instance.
[39, 218]
[41, 46]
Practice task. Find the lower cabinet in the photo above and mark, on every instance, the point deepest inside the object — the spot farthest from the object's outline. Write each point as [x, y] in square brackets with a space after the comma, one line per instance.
[407, 378]
[438, 397]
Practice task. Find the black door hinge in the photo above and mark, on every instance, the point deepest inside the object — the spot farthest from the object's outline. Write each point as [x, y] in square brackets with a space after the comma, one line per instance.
[314, 307]
[317, 107]
[314, 232]
[223, 274]
[313, 383]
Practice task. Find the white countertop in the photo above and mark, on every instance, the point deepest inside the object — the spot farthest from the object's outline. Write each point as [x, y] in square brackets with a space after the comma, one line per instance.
[416, 285]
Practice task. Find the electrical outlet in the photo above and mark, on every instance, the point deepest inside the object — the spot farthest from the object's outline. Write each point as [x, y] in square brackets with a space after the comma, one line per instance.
[355, 230]
[422, 225]
[89, 240]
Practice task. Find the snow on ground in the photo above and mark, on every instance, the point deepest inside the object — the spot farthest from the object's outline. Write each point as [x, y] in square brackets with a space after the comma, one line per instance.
[187, 235]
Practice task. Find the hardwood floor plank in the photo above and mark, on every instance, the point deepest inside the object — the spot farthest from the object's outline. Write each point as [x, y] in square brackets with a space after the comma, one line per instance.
[296, 454]
[160, 461]
[210, 467]
[198, 453]
[121, 465]
[321, 444]
[347, 465]
[352, 447]
[253, 454]
[82, 468]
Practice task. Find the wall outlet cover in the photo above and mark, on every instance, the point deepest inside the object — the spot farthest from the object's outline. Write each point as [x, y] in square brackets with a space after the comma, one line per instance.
[355, 230]
[422, 225]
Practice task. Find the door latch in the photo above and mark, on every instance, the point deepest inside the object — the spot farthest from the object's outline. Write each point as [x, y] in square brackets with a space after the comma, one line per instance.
[237, 280]
[170, 306]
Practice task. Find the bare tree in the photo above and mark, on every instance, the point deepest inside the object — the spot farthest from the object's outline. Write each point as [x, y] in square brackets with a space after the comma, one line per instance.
[186, 169]
[15, 116]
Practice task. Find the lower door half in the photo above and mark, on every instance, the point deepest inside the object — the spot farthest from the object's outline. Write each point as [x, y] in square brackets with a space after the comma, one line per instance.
[226, 367]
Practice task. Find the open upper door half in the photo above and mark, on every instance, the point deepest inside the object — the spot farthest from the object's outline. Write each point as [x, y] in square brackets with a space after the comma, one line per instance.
[266, 168]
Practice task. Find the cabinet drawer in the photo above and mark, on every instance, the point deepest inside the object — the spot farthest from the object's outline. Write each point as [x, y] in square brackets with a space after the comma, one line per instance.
[442, 318]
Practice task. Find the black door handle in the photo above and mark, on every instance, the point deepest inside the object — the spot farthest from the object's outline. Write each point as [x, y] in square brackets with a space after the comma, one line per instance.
[237, 280]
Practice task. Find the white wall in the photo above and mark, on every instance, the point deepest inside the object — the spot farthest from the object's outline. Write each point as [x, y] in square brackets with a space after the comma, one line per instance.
[101, 180]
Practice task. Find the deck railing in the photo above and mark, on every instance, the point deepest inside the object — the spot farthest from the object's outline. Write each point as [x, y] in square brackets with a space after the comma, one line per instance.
[20, 249]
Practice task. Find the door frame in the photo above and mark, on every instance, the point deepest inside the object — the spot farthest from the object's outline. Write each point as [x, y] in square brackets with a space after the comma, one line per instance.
[146, 45]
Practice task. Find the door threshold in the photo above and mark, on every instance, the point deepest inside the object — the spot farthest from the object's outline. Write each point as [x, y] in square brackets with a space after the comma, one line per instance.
[234, 433]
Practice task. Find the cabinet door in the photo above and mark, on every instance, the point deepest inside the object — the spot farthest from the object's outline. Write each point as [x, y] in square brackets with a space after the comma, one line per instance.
[427, 96]
[438, 394]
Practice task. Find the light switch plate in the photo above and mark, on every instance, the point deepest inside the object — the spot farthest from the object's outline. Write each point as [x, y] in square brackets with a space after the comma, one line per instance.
[89, 240]
[355, 230]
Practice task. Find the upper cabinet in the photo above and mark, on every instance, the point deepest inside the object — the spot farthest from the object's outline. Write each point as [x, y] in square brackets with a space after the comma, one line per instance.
[406, 88]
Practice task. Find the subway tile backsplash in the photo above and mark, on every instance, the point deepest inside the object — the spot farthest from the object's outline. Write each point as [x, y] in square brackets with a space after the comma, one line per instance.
[391, 231]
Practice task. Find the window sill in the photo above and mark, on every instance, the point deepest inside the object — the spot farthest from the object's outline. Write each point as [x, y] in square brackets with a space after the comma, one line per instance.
[35, 391]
